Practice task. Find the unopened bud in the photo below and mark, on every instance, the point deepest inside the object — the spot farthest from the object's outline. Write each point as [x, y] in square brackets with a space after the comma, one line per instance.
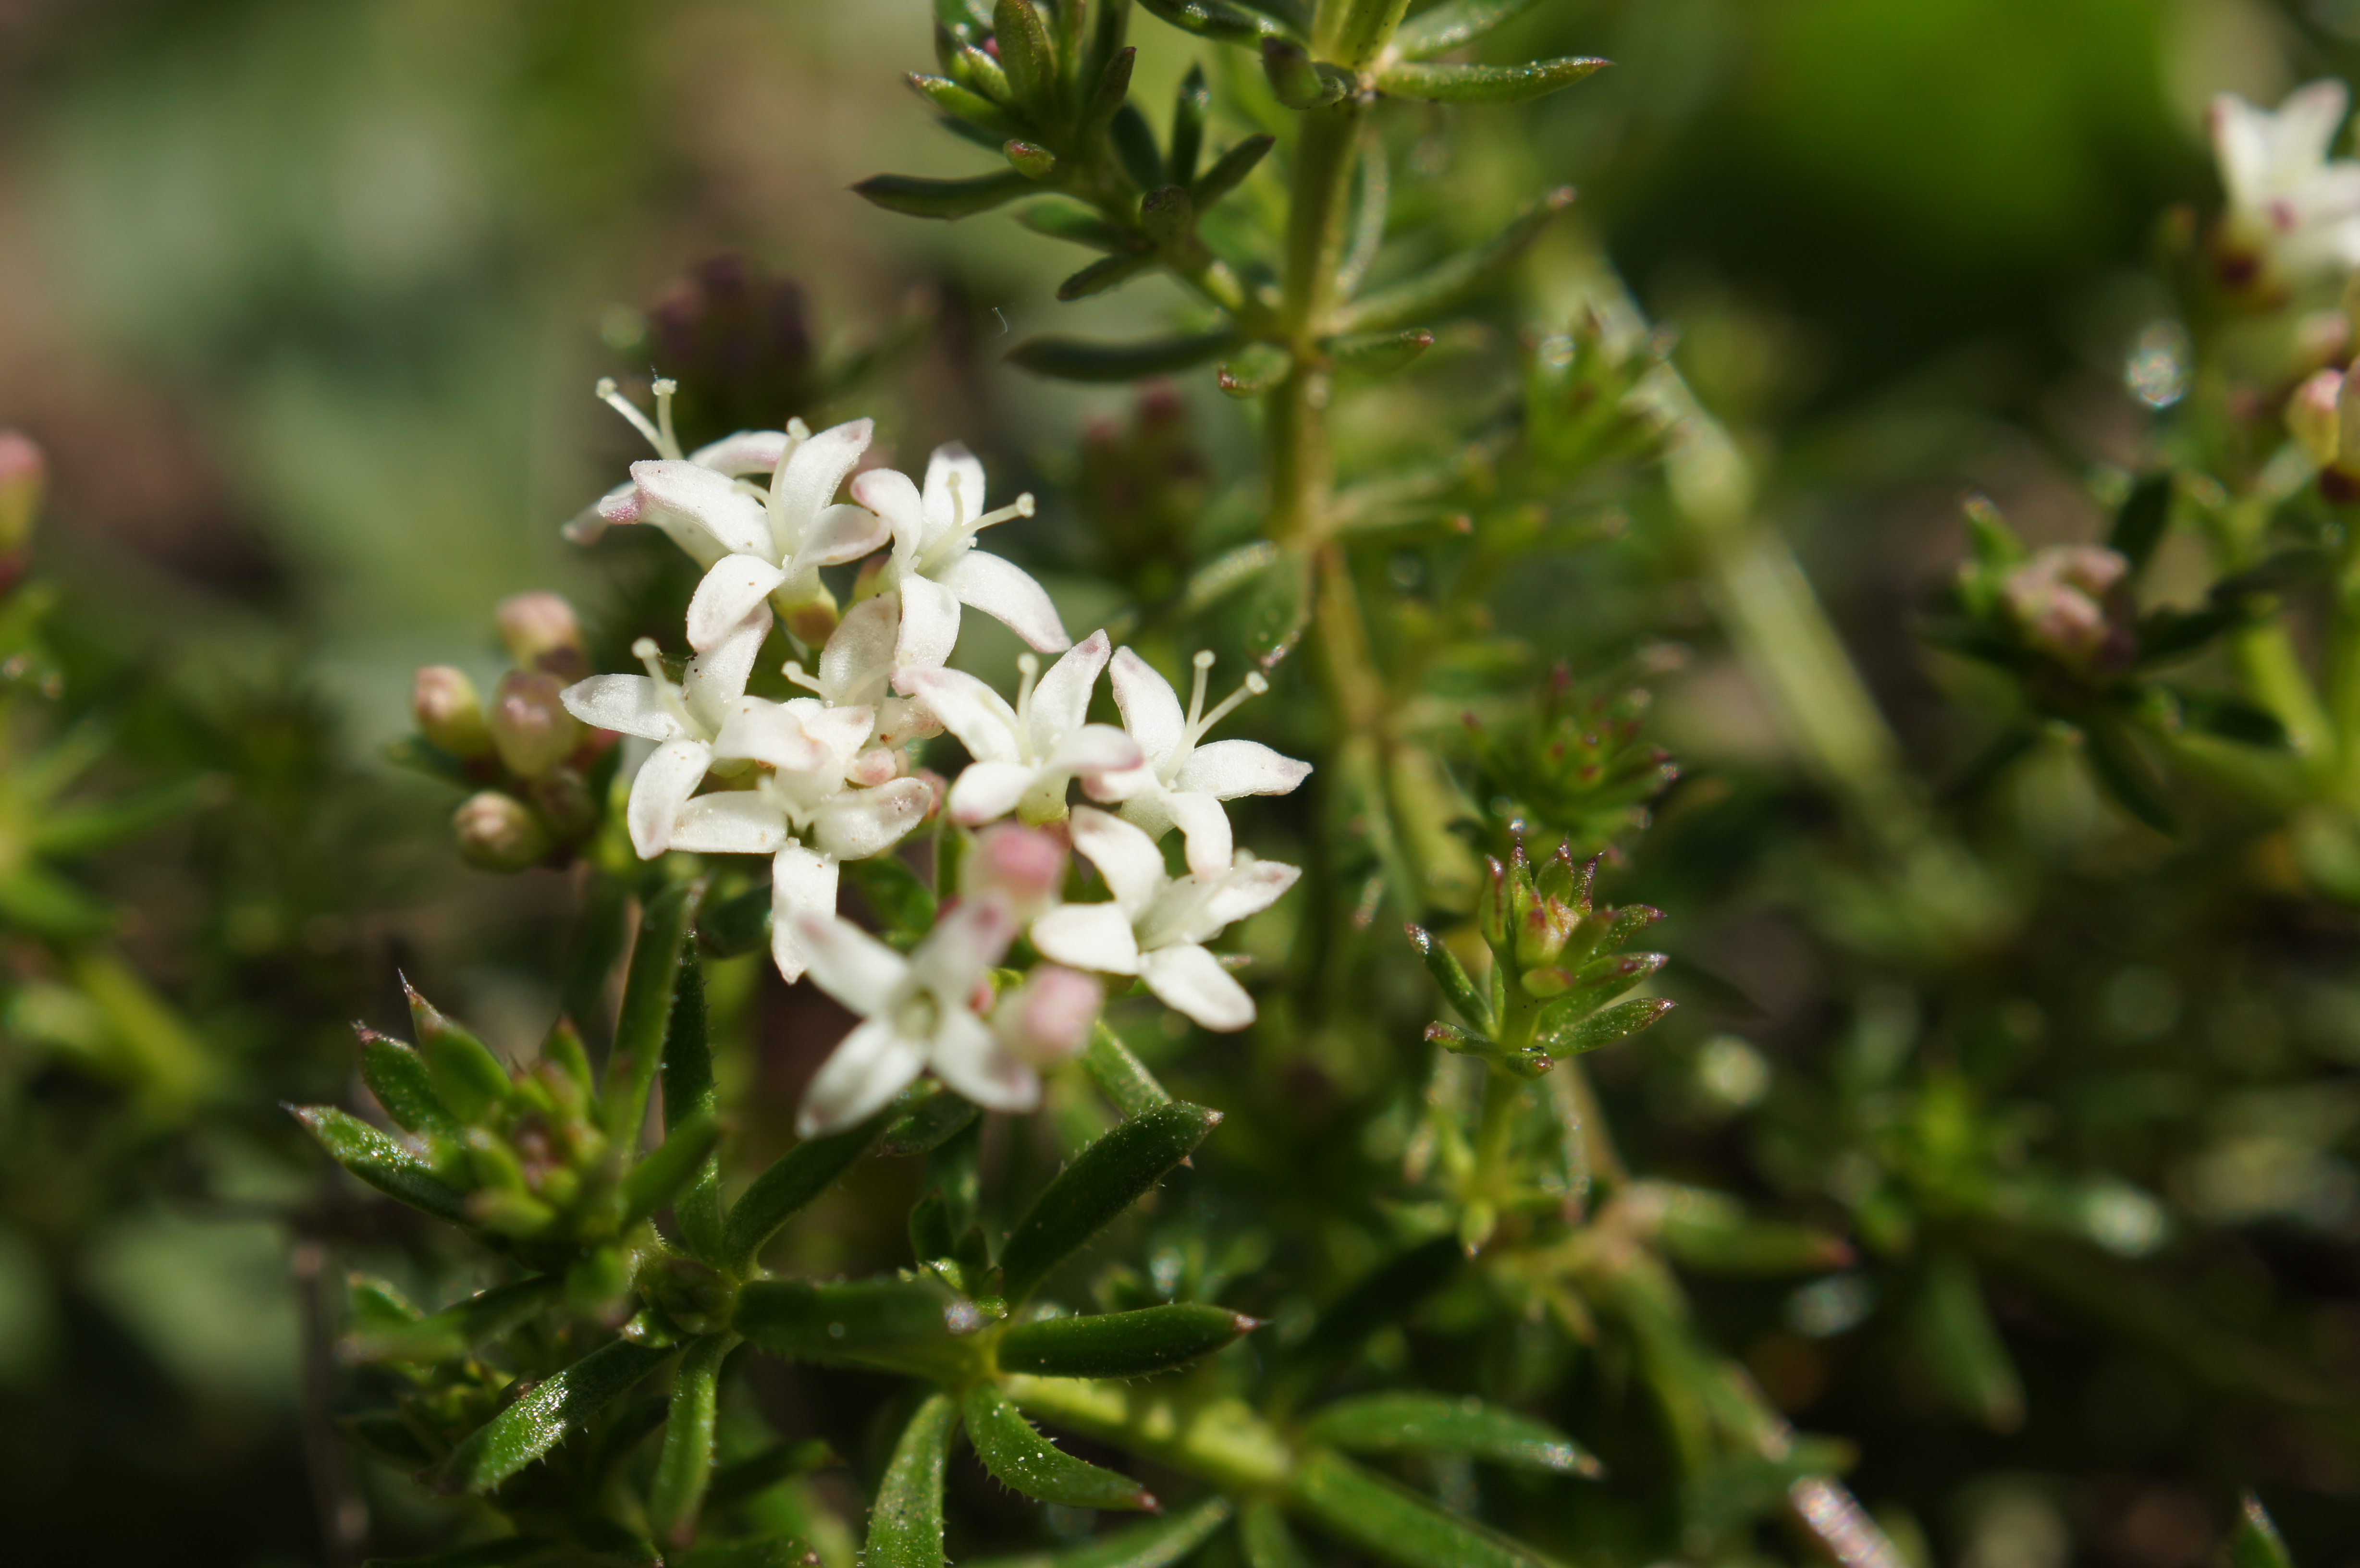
[1047, 1018]
[2311, 416]
[565, 802]
[542, 633]
[2072, 604]
[24, 482]
[529, 724]
[449, 712]
[1026, 866]
[500, 832]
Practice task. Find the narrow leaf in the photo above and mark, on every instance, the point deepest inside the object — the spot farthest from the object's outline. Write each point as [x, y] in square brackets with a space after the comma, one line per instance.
[1391, 1521]
[1483, 83]
[744, 1478]
[1079, 359]
[920, 198]
[535, 1422]
[690, 1110]
[1457, 988]
[684, 1465]
[1386, 1293]
[1107, 272]
[1230, 170]
[2224, 717]
[1256, 370]
[1292, 78]
[1066, 220]
[671, 1166]
[1028, 56]
[1191, 106]
[905, 1525]
[1023, 1461]
[1122, 1075]
[932, 1122]
[2124, 774]
[1103, 1181]
[1378, 353]
[381, 1162]
[2138, 527]
[1422, 299]
[799, 1175]
[1616, 1023]
[508, 1551]
[1218, 20]
[2257, 1542]
[454, 1331]
[1159, 1543]
[768, 1552]
[966, 104]
[467, 1076]
[396, 1075]
[645, 1017]
[1107, 99]
[1120, 1344]
[1963, 1346]
[1413, 1422]
[913, 1325]
[1134, 146]
[896, 893]
[1268, 1542]
[1453, 23]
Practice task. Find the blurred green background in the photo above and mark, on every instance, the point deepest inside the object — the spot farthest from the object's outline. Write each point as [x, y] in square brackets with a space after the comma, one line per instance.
[304, 299]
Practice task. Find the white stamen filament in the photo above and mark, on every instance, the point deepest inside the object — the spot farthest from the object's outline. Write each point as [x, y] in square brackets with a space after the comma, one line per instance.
[613, 398]
[663, 387]
[1198, 720]
[795, 672]
[646, 651]
[1028, 671]
[956, 539]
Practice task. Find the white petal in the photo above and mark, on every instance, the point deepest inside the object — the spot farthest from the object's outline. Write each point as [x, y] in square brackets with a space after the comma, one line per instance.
[1188, 979]
[841, 732]
[1006, 593]
[1205, 825]
[2241, 144]
[801, 883]
[2306, 126]
[812, 476]
[769, 732]
[858, 823]
[970, 1057]
[971, 710]
[1247, 890]
[664, 783]
[891, 496]
[857, 664]
[848, 962]
[1228, 769]
[589, 525]
[1150, 811]
[1088, 936]
[841, 534]
[628, 704]
[1061, 699]
[732, 821]
[967, 940]
[1126, 858]
[748, 451]
[710, 500]
[986, 791]
[930, 623]
[1151, 708]
[715, 678]
[1127, 784]
[1095, 749]
[727, 595]
[943, 512]
[869, 1067]
[901, 720]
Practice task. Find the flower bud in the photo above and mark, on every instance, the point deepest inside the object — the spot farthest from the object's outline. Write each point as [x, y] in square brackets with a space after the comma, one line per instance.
[1023, 866]
[1047, 1018]
[2072, 603]
[529, 724]
[449, 712]
[2311, 416]
[500, 832]
[564, 801]
[24, 481]
[542, 633]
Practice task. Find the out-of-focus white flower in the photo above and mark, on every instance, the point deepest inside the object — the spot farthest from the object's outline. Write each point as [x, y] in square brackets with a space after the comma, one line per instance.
[1024, 867]
[2294, 211]
[1180, 783]
[917, 1012]
[1025, 754]
[684, 720]
[937, 567]
[1157, 925]
[1046, 1019]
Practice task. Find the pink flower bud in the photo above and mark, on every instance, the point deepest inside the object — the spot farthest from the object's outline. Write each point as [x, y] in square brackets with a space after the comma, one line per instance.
[877, 764]
[1047, 1018]
[500, 832]
[24, 481]
[1026, 866]
[449, 712]
[2072, 603]
[542, 633]
[530, 727]
[2311, 416]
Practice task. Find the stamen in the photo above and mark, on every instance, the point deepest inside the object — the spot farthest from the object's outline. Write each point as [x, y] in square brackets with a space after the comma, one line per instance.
[798, 430]
[646, 651]
[663, 387]
[1028, 671]
[1199, 721]
[1204, 663]
[794, 671]
[954, 540]
[958, 500]
[614, 399]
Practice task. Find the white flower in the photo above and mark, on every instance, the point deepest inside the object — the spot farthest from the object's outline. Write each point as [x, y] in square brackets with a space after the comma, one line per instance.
[917, 1012]
[685, 720]
[1157, 925]
[937, 567]
[2291, 207]
[1180, 783]
[1025, 754]
[856, 670]
[777, 542]
[748, 451]
[803, 814]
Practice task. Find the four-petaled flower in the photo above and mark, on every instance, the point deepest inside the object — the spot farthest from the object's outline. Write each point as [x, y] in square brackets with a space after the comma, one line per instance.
[937, 567]
[748, 451]
[2292, 209]
[1181, 784]
[1025, 754]
[1157, 925]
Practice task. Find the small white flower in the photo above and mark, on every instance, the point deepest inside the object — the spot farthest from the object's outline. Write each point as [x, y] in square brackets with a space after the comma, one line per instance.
[684, 720]
[2291, 207]
[856, 670]
[937, 567]
[779, 542]
[748, 451]
[1157, 926]
[1025, 754]
[1182, 783]
[917, 1012]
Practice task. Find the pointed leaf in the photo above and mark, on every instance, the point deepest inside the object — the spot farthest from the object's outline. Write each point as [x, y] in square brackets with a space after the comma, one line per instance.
[897, 894]
[1028, 58]
[1159, 1543]
[905, 1525]
[397, 1076]
[691, 1111]
[2257, 1542]
[534, 1425]
[671, 1170]
[684, 1465]
[1230, 170]
[1414, 1422]
[1424, 299]
[744, 1478]
[1386, 1293]
[381, 1162]
[1079, 359]
[1378, 353]
[2223, 717]
[917, 198]
[1963, 1346]
[1457, 988]
[737, 926]
[910, 1326]
[1134, 146]
[1120, 1344]
[934, 1121]
[1256, 369]
[1389, 1521]
[1107, 100]
[645, 1018]
[1070, 221]
[2138, 527]
[1023, 1461]
[1218, 20]
[966, 104]
[1107, 272]
[1617, 1023]
[1455, 22]
[455, 1329]
[1120, 1075]
[1103, 1181]
[2124, 774]
[1268, 1542]
[1191, 106]
[467, 1078]
[1483, 83]
[799, 1175]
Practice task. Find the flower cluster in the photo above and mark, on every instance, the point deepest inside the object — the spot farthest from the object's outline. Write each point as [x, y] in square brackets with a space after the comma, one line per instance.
[2294, 211]
[813, 781]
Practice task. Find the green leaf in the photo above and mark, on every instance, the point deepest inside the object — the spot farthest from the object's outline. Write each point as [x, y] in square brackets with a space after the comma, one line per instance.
[1230, 170]
[1413, 1422]
[1165, 214]
[1079, 359]
[532, 1425]
[1257, 369]
[1107, 272]
[467, 1078]
[1460, 992]
[508, 1551]
[1422, 299]
[2256, 1544]
[1156, 1544]
[1191, 106]
[768, 1552]
[396, 1075]
[1294, 80]
[737, 925]
[798, 1176]
[1391, 1521]
[1033, 162]
[2138, 527]
[62, 832]
[1028, 58]
[1068, 221]
[1961, 1346]
[1483, 83]
[905, 1524]
[1609, 1027]
[1120, 1344]
[1120, 1075]
[37, 899]
[2124, 773]
[744, 1478]
[1107, 100]
[1386, 1293]
[1103, 1181]
[675, 1164]
[934, 1121]
[645, 1018]
[684, 1465]
[966, 104]
[2224, 717]
[1134, 146]
[455, 1329]
[381, 1162]
[1268, 1542]
[897, 894]
[908, 1325]
[1023, 1461]
[690, 1111]
[1378, 353]
[1218, 20]
[918, 198]
[1453, 23]
[1280, 611]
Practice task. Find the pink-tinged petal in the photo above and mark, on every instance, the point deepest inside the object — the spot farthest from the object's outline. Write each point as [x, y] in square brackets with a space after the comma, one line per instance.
[930, 623]
[734, 821]
[627, 705]
[1205, 825]
[1126, 858]
[1088, 936]
[769, 732]
[1151, 708]
[944, 512]
[862, 822]
[970, 1057]
[840, 534]
[1247, 890]
[1228, 769]
[971, 710]
[1127, 784]
[1094, 749]
[964, 943]
[715, 678]
[871, 1066]
[1008, 594]
[803, 883]
[848, 962]
[1061, 699]
[891, 496]
[1189, 980]
[986, 791]
[727, 595]
[748, 451]
[588, 526]
[857, 664]
[622, 506]
[710, 500]
[813, 475]
[665, 782]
